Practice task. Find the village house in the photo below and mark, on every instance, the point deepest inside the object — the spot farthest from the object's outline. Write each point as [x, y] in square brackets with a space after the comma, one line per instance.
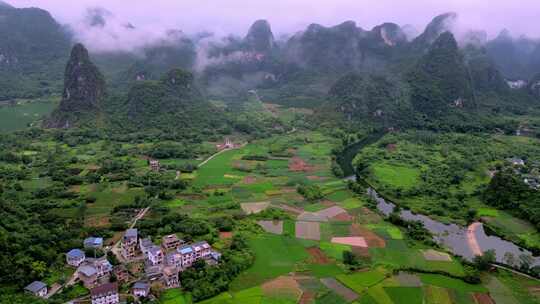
[75, 257]
[105, 294]
[191, 253]
[93, 243]
[87, 275]
[92, 271]
[37, 288]
[145, 244]
[141, 289]
[129, 244]
[153, 273]
[171, 241]
[154, 165]
[228, 144]
[215, 257]
[173, 259]
[155, 256]
[516, 161]
[170, 277]
[121, 273]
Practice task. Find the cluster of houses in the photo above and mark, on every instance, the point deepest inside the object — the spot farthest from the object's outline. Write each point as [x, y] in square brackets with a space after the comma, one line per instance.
[532, 177]
[162, 264]
[165, 262]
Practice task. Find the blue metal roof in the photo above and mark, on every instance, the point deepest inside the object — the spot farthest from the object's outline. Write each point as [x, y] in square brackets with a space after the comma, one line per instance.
[93, 242]
[88, 270]
[185, 250]
[141, 285]
[35, 286]
[76, 254]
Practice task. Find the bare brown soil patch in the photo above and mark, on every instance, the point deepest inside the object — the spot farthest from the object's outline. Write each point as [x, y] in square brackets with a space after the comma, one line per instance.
[343, 217]
[248, 180]
[483, 298]
[307, 297]
[308, 230]
[290, 209]
[252, 208]
[372, 239]
[332, 212]
[361, 251]
[288, 190]
[275, 227]
[296, 164]
[340, 289]
[535, 291]
[408, 279]
[328, 203]
[282, 286]
[317, 256]
[225, 235]
[193, 196]
[367, 216]
[433, 255]
[391, 147]
[75, 189]
[97, 221]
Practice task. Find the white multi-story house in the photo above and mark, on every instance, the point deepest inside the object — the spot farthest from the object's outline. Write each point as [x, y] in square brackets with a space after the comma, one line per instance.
[171, 241]
[75, 257]
[129, 244]
[173, 259]
[191, 253]
[202, 250]
[105, 294]
[144, 244]
[155, 256]
[170, 277]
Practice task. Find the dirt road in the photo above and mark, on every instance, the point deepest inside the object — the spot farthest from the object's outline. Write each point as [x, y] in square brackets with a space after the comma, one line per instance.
[471, 239]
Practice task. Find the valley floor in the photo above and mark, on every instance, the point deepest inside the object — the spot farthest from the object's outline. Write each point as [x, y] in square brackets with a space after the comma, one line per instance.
[298, 240]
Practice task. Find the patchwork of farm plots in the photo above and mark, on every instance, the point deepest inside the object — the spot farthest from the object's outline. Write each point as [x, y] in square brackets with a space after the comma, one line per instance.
[299, 243]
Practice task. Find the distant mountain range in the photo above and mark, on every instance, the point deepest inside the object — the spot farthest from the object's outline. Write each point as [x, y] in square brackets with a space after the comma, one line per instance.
[363, 74]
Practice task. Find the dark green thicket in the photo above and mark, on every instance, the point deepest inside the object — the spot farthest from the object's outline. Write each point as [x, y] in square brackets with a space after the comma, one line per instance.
[440, 80]
[508, 191]
[33, 50]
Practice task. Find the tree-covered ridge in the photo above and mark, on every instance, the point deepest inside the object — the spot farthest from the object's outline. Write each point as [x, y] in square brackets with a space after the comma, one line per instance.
[171, 103]
[33, 50]
[440, 81]
[376, 98]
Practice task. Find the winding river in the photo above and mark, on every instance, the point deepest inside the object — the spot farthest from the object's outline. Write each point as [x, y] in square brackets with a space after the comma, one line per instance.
[463, 241]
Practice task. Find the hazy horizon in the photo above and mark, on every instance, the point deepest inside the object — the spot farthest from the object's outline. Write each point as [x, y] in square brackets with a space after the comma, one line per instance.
[285, 16]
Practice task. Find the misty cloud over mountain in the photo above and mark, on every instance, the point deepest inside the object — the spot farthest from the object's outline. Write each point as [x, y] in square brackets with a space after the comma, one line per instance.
[130, 25]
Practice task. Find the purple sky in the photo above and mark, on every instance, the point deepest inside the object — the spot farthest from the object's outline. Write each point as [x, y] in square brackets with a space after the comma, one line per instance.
[226, 16]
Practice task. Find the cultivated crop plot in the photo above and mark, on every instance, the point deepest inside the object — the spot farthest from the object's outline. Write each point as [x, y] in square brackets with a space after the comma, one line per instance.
[252, 208]
[275, 227]
[433, 255]
[339, 289]
[354, 241]
[308, 230]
